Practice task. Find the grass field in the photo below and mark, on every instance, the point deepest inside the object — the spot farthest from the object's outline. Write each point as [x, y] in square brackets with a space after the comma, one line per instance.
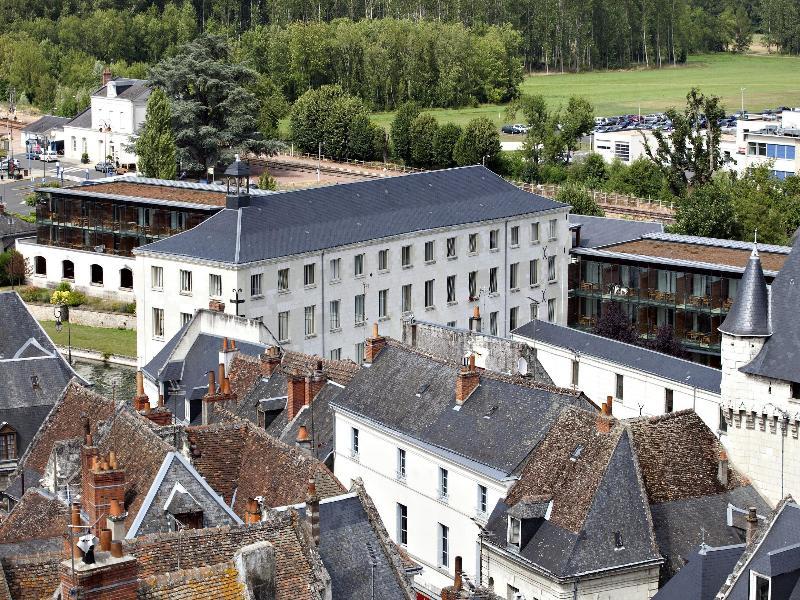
[100, 339]
[770, 81]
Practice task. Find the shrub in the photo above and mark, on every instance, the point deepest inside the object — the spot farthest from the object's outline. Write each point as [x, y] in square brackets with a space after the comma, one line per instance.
[580, 200]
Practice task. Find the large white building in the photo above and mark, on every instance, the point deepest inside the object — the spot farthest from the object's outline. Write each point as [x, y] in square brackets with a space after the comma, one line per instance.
[315, 266]
[105, 129]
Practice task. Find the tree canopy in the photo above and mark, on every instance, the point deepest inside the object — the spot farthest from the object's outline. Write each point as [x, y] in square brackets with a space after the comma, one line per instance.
[155, 146]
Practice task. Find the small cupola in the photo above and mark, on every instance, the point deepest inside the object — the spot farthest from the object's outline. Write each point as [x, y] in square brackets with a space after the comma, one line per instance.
[237, 176]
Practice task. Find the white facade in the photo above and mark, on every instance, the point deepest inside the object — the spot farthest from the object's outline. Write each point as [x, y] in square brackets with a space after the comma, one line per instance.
[376, 462]
[93, 273]
[644, 394]
[626, 145]
[314, 331]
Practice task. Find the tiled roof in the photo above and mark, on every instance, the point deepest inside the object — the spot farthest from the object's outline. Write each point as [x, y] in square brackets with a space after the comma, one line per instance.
[602, 231]
[37, 516]
[749, 315]
[645, 360]
[220, 581]
[308, 220]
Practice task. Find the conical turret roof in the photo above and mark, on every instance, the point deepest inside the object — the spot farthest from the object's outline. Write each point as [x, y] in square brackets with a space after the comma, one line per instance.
[749, 315]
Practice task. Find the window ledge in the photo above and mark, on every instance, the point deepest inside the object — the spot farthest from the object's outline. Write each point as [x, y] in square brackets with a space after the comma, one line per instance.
[361, 276]
[310, 336]
[452, 258]
[335, 281]
[472, 253]
[158, 289]
[310, 286]
[514, 246]
[94, 284]
[281, 292]
[430, 262]
[384, 318]
[514, 290]
[383, 271]
[535, 242]
[257, 297]
[408, 266]
[360, 324]
[430, 308]
[335, 329]
[552, 281]
[286, 341]
[158, 338]
[494, 294]
[185, 293]
[452, 302]
[494, 249]
[40, 274]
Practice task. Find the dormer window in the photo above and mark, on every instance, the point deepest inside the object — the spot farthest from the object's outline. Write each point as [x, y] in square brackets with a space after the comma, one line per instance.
[8, 443]
[514, 531]
[795, 390]
[618, 542]
[760, 587]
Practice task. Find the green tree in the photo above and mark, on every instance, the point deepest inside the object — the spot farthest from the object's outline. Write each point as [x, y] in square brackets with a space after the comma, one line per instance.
[155, 146]
[590, 171]
[400, 132]
[423, 140]
[707, 212]
[577, 120]
[478, 143]
[580, 200]
[443, 144]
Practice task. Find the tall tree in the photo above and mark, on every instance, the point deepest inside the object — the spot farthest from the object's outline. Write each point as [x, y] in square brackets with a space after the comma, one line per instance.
[401, 130]
[155, 147]
[479, 143]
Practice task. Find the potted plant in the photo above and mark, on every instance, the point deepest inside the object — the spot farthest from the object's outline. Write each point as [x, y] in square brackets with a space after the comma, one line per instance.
[85, 158]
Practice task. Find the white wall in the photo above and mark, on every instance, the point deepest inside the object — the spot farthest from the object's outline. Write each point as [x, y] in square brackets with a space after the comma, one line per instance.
[377, 466]
[605, 144]
[324, 290]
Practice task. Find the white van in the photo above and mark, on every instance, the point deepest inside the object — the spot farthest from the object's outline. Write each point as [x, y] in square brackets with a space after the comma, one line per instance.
[48, 156]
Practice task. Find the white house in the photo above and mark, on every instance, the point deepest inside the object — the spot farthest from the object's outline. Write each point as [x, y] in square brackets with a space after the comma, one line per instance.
[105, 128]
[317, 265]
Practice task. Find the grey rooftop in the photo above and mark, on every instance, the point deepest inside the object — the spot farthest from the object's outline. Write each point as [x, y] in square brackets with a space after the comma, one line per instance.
[749, 315]
[604, 231]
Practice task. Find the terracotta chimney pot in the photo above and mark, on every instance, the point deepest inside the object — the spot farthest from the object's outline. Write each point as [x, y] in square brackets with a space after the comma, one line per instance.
[302, 434]
[105, 540]
[115, 508]
[226, 386]
[224, 344]
[458, 568]
[112, 460]
[221, 374]
[373, 345]
[116, 549]
[476, 313]
[610, 403]
[212, 385]
[467, 380]
[76, 514]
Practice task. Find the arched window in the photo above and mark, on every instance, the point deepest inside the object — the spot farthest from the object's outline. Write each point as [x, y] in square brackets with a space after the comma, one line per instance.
[39, 265]
[97, 275]
[126, 278]
[67, 270]
[8, 443]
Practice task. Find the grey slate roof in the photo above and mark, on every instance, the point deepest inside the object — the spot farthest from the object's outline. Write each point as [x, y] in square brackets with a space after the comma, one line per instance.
[82, 119]
[414, 395]
[11, 226]
[635, 357]
[318, 419]
[603, 231]
[46, 124]
[128, 89]
[749, 315]
[780, 356]
[308, 220]
[703, 575]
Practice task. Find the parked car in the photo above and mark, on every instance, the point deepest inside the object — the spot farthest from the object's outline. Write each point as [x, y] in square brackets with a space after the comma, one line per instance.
[48, 156]
[31, 156]
[104, 167]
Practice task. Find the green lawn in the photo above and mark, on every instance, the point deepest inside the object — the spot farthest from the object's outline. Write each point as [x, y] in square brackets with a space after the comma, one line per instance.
[99, 339]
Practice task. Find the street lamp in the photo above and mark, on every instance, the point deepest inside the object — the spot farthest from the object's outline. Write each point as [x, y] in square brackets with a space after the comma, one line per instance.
[319, 159]
[58, 311]
[742, 91]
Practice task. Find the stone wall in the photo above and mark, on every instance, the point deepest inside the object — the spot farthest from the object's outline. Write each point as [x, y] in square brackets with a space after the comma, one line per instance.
[83, 316]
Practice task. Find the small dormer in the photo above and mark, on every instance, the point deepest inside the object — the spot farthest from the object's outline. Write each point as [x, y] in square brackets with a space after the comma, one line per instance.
[525, 518]
[8, 443]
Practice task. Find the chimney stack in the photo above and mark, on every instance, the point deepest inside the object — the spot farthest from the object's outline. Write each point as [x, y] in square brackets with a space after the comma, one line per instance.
[140, 400]
[457, 581]
[116, 520]
[106, 75]
[215, 395]
[303, 439]
[752, 524]
[295, 394]
[100, 486]
[228, 353]
[722, 468]
[373, 345]
[76, 529]
[270, 361]
[455, 591]
[315, 382]
[604, 420]
[610, 403]
[467, 381]
[475, 320]
[312, 509]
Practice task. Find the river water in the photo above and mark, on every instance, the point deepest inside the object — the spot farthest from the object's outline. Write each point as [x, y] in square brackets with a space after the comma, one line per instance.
[109, 380]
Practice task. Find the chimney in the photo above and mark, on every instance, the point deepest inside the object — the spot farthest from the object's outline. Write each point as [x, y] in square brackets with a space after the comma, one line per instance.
[116, 520]
[76, 529]
[303, 439]
[140, 400]
[752, 524]
[475, 320]
[315, 382]
[295, 394]
[228, 353]
[111, 89]
[270, 361]
[105, 540]
[457, 581]
[212, 395]
[454, 592]
[221, 375]
[610, 403]
[312, 510]
[216, 305]
[99, 487]
[604, 420]
[722, 468]
[113, 576]
[466, 381]
[106, 75]
[253, 512]
[373, 345]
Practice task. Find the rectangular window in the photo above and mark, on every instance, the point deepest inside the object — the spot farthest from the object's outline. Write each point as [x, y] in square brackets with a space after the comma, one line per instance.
[158, 323]
[514, 527]
[513, 316]
[405, 256]
[553, 229]
[551, 268]
[185, 318]
[443, 475]
[359, 352]
[429, 293]
[493, 323]
[309, 320]
[335, 314]
[473, 285]
[309, 274]
[551, 310]
[494, 235]
[336, 269]
[402, 524]
[354, 441]
[483, 499]
[186, 282]
[8, 446]
[444, 545]
[336, 354]
[430, 254]
[515, 236]
[157, 278]
[534, 311]
[451, 247]
[383, 260]
[383, 303]
[401, 463]
[452, 324]
[760, 587]
[283, 326]
[360, 315]
[358, 265]
[283, 280]
[255, 285]
[619, 387]
[575, 372]
[622, 151]
[493, 280]
[451, 288]
[513, 282]
[533, 268]
[473, 243]
[534, 233]
[668, 400]
[215, 285]
[406, 298]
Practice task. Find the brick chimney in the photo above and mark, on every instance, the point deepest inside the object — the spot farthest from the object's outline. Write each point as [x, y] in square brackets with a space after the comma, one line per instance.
[604, 419]
[475, 320]
[303, 439]
[270, 360]
[140, 400]
[315, 382]
[228, 353]
[216, 305]
[77, 529]
[110, 577]
[101, 483]
[295, 394]
[212, 395]
[106, 75]
[722, 468]
[467, 381]
[373, 345]
[312, 510]
[610, 403]
[752, 524]
[454, 592]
